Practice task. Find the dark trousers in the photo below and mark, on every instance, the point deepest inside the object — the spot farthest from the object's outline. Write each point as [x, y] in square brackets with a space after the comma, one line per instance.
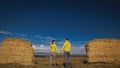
[67, 58]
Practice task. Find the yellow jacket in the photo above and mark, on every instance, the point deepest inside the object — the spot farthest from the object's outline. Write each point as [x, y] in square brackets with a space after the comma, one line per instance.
[66, 46]
[53, 47]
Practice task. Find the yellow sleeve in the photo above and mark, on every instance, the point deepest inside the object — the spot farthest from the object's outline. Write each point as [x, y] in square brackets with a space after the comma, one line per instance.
[63, 46]
[70, 47]
[56, 49]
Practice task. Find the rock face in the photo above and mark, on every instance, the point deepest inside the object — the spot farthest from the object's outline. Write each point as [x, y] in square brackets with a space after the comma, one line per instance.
[15, 50]
[103, 50]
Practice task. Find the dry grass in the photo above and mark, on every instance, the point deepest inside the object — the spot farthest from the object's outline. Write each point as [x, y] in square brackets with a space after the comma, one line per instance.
[77, 62]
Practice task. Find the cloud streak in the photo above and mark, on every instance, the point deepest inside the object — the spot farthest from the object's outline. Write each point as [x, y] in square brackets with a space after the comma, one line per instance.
[44, 37]
[6, 32]
[23, 35]
[78, 50]
[41, 49]
[10, 33]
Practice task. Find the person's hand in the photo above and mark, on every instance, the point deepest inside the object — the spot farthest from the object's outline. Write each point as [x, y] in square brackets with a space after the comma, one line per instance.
[60, 51]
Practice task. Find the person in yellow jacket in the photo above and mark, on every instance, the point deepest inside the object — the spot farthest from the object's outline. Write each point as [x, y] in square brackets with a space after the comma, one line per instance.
[53, 50]
[66, 48]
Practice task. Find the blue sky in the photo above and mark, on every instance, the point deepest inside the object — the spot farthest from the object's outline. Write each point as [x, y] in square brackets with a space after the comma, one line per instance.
[43, 20]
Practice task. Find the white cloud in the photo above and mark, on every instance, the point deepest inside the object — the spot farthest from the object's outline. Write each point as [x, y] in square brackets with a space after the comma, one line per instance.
[6, 32]
[78, 50]
[42, 45]
[44, 37]
[37, 36]
[23, 35]
[12, 34]
[50, 38]
[41, 48]
[60, 42]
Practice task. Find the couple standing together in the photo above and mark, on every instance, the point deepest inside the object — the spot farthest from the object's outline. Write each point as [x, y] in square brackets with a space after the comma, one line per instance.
[66, 48]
